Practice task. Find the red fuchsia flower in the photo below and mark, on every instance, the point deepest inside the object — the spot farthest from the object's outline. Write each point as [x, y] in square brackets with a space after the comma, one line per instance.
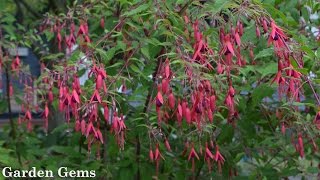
[210, 115]
[63, 97]
[277, 37]
[167, 145]
[227, 45]
[75, 97]
[90, 129]
[316, 120]
[300, 146]
[179, 108]
[165, 85]
[118, 128]
[171, 100]
[151, 155]
[95, 97]
[106, 113]
[264, 25]
[157, 156]
[188, 115]
[92, 112]
[15, 64]
[239, 57]
[65, 103]
[200, 47]
[70, 41]
[115, 124]
[293, 89]
[208, 152]
[123, 87]
[10, 89]
[100, 75]
[193, 154]
[219, 159]
[99, 81]
[27, 115]
[279, 79]
[220, 69]
[84, 31]
[167, 70]
[102, 22]
[46, 116]
[159, 98]
[122, 126]
[283, 128]
[240, 27]
[258, 31]
[184, 107]
[59, 39]
[104, 75]
[229, 101]
[179, 113]
[228, 63]
[208, 157]
[159, 103]
[237, 38]
[99, 136]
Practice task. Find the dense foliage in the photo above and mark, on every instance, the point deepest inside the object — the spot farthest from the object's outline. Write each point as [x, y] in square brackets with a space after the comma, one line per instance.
[166, 89]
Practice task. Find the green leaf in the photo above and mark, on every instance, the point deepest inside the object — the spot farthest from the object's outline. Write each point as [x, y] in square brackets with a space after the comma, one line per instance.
[137, 10]
[264, 53]
[121, 45]
[260, 92]
[270, 68]
[180, 1]
[216, 6]
[309, 51]
[3, 106]
[313, 170]
[135, 69]
[303, 71]
[6, 159]
[145, 52]
[226, 135]
[76, 56]
[53, 56]
[62, 149]
[107, 55]
[275, 12]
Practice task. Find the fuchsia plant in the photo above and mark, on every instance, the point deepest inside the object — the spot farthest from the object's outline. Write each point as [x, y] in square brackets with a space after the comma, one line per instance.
[195, 85]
